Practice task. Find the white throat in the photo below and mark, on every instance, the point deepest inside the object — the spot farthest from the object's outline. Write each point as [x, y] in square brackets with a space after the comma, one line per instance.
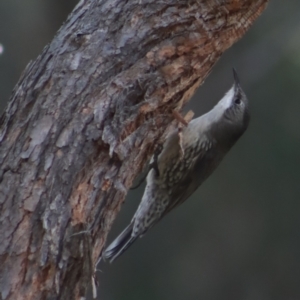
[226, 101]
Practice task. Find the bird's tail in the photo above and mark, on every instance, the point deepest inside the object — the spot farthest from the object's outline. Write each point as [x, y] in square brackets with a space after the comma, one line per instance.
[119, 245]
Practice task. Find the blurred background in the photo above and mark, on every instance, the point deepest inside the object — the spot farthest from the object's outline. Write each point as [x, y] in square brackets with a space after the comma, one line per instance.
[238, 237]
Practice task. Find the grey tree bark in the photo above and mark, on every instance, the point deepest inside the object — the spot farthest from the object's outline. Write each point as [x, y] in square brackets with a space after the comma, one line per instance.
[84, 119]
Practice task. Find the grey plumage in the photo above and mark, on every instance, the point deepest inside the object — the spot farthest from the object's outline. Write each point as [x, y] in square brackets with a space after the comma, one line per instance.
[205, 142]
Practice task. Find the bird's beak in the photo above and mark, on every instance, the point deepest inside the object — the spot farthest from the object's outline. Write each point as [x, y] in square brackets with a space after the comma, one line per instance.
[236, 78]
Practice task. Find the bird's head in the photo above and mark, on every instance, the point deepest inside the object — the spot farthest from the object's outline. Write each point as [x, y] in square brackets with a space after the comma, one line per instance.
[232, 112]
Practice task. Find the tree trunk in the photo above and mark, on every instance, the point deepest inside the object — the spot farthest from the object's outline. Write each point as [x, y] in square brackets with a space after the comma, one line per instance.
[84, 119]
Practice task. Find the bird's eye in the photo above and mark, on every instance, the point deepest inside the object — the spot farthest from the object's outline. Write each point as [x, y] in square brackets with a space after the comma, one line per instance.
[237, 101]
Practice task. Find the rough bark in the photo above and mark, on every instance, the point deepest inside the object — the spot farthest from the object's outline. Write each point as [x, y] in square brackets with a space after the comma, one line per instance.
[84, 119]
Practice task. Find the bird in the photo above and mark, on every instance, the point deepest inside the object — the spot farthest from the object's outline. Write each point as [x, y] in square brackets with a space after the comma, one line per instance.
[185, 163]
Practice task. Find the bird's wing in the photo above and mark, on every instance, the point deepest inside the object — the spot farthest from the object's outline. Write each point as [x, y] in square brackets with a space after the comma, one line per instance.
[193, 175]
